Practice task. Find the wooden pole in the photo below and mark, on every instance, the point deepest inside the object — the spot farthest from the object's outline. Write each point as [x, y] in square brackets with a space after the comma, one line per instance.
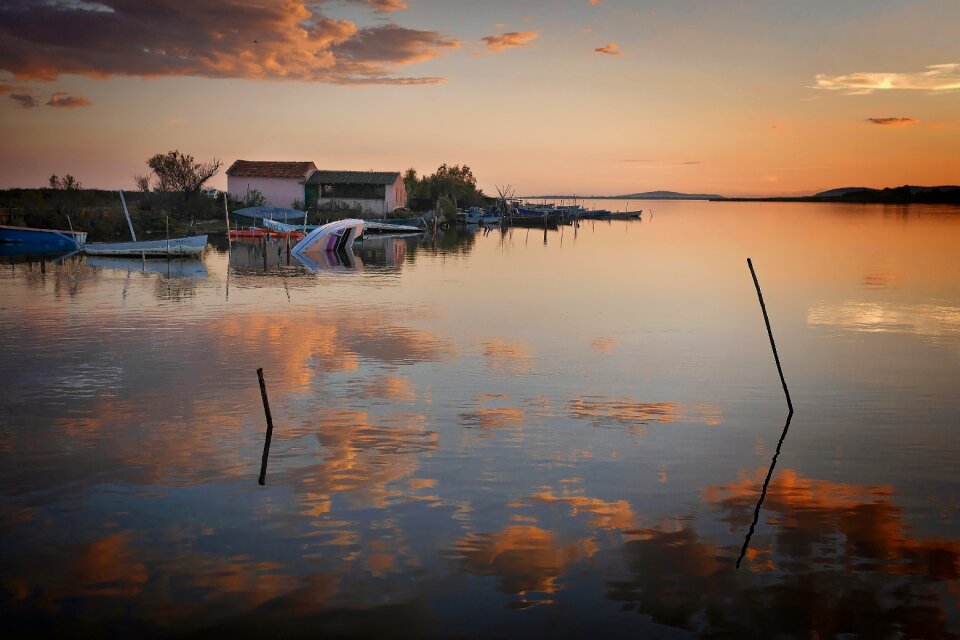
[266, 443]
[226, 214]
[773, 344]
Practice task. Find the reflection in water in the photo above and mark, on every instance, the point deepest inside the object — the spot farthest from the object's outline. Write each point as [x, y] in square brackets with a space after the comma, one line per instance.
[843, 563]
[507, 356]
[634, 414]
[763, 492]
[928, 320]
[434, 472]
[526, 559]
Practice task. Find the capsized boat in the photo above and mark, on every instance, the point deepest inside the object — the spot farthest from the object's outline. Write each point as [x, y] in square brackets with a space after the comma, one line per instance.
[330, 237]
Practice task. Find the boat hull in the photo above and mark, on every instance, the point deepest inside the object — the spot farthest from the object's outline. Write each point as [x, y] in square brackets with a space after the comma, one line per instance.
[333, 236]
[42, 240]
[191, 246]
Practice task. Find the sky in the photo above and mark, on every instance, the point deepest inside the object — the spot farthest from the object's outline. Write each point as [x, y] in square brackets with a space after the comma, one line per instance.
[587, 97]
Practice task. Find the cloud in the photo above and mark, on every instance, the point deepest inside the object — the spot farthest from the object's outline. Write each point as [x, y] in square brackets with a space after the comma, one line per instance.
[384, 6]
[937, 78]
[247, 39]
[66, 101]
[499, 42]
[893, 122]
[25, 100]
[611, 50]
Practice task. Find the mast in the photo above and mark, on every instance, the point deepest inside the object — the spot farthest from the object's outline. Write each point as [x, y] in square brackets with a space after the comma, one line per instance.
[127, 213]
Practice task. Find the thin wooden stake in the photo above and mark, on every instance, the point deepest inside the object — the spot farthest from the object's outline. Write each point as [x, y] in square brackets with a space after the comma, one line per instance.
[773, 344]
[266, 442]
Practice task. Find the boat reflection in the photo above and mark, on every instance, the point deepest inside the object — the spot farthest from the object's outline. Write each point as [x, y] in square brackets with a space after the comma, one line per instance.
[185, 268]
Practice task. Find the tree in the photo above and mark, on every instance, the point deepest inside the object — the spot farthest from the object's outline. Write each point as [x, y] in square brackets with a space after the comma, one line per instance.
[67, 182]
[142, 182]
[457, 182]
[179, 172]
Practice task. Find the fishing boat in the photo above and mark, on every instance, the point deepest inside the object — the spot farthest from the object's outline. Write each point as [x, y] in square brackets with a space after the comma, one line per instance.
[280, 214]
[476, 215]
[169, 247]
[245, 234]
[333, 236]
[388, 226]
[42, 240]
[190, 246]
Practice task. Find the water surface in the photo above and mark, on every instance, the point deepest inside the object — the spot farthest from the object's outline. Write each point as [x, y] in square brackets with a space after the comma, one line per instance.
[560, 432]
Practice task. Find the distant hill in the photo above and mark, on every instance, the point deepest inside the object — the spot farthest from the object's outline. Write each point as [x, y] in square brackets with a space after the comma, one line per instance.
[669, 195]
[646, 195]
[842, 191]
[864, 191]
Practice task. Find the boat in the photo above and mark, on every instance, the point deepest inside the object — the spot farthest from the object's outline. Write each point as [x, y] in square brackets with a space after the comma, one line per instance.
[251, 232]
[388, 226]
[280, 214]
[476, 215]
[190, 246]
[332, 236]
[42, 240]
[168, 247]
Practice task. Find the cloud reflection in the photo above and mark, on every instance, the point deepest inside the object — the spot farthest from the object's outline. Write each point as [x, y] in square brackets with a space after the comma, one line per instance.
[526, 559]
[928, 320]
[634, 414]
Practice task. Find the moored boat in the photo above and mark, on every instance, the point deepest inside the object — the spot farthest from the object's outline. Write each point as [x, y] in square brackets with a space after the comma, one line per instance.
[190, 246]
[42, 240]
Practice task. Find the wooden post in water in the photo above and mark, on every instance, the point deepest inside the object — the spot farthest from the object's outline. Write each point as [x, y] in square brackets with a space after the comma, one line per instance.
[226, 214]
[773, 344]
[266, 443]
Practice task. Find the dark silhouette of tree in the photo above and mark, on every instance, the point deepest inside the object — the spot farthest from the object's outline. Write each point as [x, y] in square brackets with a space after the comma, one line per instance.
[179, 172]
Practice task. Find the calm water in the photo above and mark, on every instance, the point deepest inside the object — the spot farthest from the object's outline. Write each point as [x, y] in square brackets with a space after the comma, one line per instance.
[523, 434]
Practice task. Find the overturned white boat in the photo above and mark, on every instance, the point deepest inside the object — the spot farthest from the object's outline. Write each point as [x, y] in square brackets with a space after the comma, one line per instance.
[334, 236]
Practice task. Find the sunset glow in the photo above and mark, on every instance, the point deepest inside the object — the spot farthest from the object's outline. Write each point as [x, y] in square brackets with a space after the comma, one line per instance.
[586, 97]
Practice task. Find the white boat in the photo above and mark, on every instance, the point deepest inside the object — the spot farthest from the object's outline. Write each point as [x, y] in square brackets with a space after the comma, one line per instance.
[190, 246]
[333, 236]
[168, 247]
[385, 226]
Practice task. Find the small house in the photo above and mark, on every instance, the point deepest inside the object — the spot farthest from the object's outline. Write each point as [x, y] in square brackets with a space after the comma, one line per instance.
[281, 183]
[372, 192]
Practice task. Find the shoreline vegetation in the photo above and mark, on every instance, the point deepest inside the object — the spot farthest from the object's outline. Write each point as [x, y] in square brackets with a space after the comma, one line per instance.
[98, 211]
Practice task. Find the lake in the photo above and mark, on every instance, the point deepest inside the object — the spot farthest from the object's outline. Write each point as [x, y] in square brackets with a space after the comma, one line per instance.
[519, 434]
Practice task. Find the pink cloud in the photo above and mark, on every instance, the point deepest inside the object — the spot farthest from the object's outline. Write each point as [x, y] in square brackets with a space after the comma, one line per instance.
[25, 100]
[611, 50]
[66, 101]
[250, 39]
[893, 122]
[384, 6]
[499, 42]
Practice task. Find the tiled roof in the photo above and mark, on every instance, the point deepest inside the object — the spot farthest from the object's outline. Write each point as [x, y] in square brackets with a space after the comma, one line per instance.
[323, 176]
[267, 169]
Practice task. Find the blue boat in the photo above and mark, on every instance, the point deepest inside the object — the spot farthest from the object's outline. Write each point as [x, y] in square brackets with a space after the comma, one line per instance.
[280, 214]
[42, 240]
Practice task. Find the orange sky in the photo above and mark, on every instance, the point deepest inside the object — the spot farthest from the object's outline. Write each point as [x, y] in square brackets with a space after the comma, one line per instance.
[756, 97]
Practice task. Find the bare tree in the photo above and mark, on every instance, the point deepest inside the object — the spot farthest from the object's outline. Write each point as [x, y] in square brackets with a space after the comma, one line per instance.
[142, 182]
